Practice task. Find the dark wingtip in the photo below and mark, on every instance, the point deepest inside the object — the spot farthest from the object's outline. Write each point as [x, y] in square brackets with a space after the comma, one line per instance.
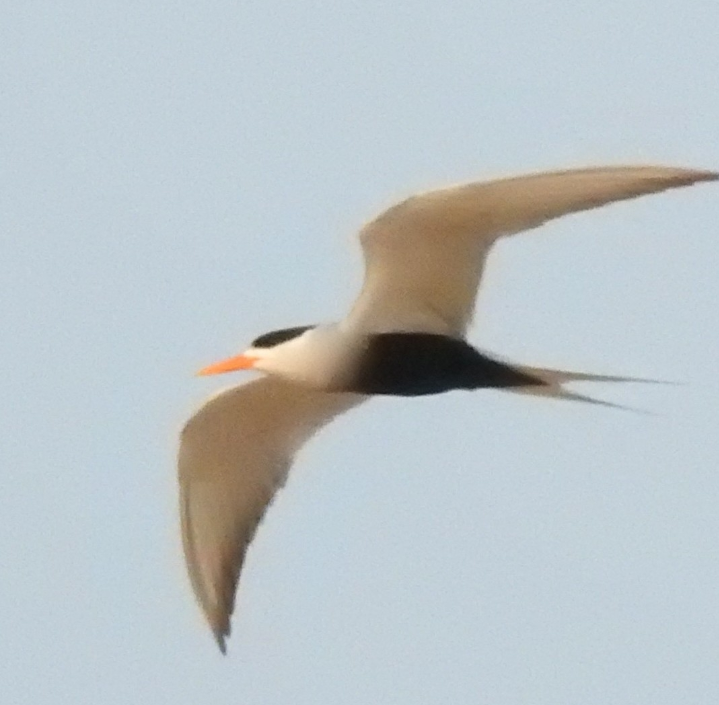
[702, 175]
[220, 638]
[221, 632]
[688, 177]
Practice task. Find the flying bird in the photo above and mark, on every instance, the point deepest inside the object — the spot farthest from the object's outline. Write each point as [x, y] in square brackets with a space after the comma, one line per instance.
[404, 336]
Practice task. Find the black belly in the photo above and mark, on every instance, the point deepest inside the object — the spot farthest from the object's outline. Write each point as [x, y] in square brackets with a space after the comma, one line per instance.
[414, 364]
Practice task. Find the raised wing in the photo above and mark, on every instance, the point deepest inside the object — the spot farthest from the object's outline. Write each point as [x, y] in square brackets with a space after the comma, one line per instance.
[424, 257]
[235, 453]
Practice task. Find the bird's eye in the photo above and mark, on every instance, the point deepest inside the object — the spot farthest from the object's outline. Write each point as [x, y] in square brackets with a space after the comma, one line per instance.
[275, 337]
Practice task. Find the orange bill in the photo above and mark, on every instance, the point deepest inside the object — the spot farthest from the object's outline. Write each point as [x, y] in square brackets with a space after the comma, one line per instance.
[239, 362]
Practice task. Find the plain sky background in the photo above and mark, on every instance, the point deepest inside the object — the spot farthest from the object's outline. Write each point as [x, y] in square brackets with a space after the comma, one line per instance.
[176, 178]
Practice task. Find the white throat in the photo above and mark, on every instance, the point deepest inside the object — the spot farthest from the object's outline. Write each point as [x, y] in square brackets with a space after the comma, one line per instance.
[321, 357]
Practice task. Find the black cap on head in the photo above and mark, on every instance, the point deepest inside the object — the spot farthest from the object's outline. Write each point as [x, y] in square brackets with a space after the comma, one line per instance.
[275, 337]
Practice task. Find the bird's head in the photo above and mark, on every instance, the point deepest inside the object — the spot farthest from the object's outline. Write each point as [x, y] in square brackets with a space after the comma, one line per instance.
[284, 352]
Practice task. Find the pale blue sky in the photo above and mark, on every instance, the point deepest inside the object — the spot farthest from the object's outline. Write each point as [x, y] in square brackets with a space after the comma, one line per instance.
[176, 178]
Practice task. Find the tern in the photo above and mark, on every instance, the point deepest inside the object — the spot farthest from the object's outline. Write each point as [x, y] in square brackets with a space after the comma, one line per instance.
[404, 336]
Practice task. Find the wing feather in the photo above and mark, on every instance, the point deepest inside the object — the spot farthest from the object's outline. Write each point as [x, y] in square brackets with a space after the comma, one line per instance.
[235, 453]
[424, 256]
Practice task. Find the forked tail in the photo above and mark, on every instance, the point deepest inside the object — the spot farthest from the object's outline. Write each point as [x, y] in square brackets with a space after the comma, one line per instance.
[553, 380]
